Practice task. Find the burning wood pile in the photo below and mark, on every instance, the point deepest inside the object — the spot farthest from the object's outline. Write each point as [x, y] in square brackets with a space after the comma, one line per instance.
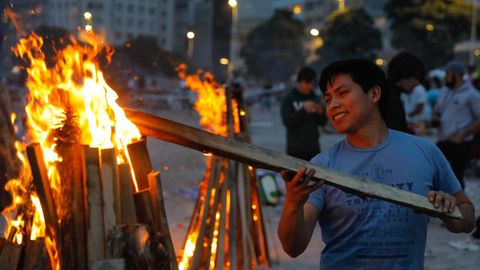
[87, 198]
[226, 230]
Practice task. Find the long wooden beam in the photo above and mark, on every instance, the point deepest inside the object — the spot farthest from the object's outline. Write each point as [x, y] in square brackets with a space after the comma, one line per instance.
[258, 157]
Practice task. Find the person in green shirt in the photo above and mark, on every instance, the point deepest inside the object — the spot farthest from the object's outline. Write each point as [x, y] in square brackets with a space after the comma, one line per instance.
[302, 112]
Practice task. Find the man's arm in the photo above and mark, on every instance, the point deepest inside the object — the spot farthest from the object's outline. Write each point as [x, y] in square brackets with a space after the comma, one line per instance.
[447, 203]
[418, 109]
[298, 219]
[471, 129]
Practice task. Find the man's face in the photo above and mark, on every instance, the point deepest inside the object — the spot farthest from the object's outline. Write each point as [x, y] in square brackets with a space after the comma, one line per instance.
[348, 107]
[406, 84]
[305, 87]
[450, 79]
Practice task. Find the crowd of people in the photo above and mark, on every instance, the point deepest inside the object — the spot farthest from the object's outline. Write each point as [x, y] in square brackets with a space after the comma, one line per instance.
[384, 117]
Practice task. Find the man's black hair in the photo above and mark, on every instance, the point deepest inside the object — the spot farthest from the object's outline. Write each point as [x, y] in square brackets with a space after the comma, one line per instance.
[363, 72]
[306, 74]
[406, 65]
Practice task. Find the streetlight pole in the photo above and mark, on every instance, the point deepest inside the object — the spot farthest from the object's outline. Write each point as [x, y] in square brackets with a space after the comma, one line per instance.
[190, 37]
[473, 33]
[341, 5]
[233, 37]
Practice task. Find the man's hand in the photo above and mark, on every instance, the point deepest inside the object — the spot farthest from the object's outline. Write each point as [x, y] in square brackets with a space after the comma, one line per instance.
[297, 187]
[441, 200]
[298, 218]
[313, 107]
[458, 138]
[447, 203]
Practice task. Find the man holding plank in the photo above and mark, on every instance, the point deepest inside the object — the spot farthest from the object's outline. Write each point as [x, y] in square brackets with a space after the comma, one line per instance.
[366, 233]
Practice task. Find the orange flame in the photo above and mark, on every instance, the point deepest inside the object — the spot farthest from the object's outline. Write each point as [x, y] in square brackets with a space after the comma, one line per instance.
[15, 214]
[73, 97]
[211, 102]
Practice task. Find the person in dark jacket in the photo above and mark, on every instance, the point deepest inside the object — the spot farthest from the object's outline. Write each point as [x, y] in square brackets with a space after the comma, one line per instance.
[302, 112]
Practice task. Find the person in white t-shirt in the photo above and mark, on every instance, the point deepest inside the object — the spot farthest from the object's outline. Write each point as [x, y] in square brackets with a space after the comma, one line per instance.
[408, 73]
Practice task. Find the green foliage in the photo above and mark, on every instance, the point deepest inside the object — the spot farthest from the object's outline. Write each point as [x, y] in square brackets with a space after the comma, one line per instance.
[274, 49]
[348, 34]
[409, 19]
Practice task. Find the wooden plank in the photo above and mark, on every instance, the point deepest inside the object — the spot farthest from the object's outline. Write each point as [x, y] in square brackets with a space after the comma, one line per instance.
[73, 253]
[141, 163]
[108, 165]
[144, 207]
[222, 230]
[112, 264]
[258, 157]
[232, 232]
[127, 206]
[195, 261]
[243, 208]
[160, 216]
[260, 236]
[36, 256]
[10, 256]
[94, 208]
[42, 186]
[130, 242]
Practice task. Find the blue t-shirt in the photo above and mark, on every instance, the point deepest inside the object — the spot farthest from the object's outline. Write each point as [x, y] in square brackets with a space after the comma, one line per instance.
[372, 233]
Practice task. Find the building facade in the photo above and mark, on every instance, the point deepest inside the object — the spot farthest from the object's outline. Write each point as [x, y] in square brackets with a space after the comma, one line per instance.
[117, 20]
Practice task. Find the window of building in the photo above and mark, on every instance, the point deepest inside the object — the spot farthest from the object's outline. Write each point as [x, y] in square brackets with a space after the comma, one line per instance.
[141, 10]
[118, 35]
[140, 23]
[151, 11]
[129, 22]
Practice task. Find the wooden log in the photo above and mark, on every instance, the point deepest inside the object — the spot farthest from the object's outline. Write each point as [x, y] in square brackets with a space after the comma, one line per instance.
[73, 252]
[10, 256]
[258, 157]
[202, 230]
[42, 186]
[2, 243]
[111, 201]
[112, 264]
[36, 256]
[94, 208]
[127, 206]
[233, 223]
[222, 229]
[160, 216]
[131, 243]
[243, 206]
[139, 249]
[260, 236]
[141, 163]
[194, 224]
[144, 207]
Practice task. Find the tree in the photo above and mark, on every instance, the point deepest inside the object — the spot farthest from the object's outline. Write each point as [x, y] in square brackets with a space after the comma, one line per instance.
[348, 34]
[146, 53]
[429, 28]
[274, 50]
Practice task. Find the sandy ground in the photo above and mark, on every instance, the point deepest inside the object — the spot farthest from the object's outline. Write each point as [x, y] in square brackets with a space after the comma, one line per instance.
[183, 168]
